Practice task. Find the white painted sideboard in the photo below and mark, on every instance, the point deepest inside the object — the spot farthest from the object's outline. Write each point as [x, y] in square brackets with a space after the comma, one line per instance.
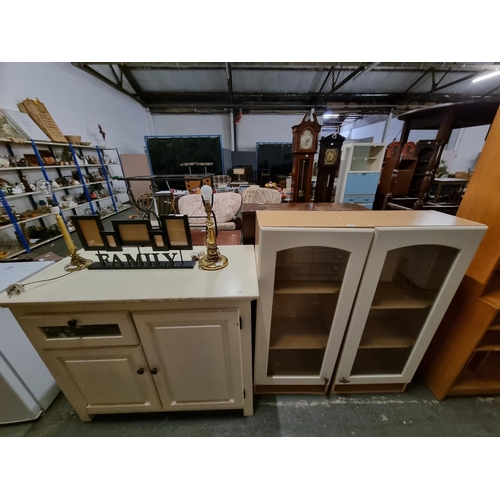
[120, 341]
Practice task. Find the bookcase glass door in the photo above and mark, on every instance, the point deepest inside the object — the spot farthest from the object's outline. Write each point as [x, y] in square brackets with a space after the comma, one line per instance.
[307, 285]
[407, 288]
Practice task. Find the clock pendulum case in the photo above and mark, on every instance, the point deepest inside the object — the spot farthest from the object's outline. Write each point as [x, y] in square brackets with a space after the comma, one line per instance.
[328, 165]
[304, 146]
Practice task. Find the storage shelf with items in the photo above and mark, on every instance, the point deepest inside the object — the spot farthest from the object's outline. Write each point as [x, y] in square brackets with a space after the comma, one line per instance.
[80, 184]
[350, 301]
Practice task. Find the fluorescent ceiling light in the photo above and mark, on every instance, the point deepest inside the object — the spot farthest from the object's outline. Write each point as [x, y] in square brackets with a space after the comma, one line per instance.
[484, 77]
[330, 115]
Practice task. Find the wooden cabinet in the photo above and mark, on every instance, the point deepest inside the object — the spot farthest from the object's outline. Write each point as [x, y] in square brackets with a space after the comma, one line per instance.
[397, 169]
[196, 359]
[111, 380]
[375, 284]
[359, 173]
[464, 357]
[163, 340]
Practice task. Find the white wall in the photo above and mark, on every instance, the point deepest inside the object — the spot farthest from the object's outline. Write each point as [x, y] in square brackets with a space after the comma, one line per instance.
[265, 128]
[469, 146]
[78, 102]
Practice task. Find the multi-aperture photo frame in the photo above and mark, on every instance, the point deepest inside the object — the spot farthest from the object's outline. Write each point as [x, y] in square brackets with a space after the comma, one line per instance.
[173, 233]
[89, 229]
[176, 228]
[134, 232]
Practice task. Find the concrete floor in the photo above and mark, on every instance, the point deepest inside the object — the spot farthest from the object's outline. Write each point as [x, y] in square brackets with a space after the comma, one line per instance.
[415, 412]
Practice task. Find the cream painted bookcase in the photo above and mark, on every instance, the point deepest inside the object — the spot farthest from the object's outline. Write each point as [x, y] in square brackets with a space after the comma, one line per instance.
[359, 172]
[145, 340]
[349, 301]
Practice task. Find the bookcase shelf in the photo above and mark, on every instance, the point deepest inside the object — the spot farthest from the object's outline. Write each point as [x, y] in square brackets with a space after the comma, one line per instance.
[299, 333]
[306, 287]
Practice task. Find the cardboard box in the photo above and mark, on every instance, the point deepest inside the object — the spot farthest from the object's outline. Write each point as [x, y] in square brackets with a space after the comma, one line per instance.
[39, 114]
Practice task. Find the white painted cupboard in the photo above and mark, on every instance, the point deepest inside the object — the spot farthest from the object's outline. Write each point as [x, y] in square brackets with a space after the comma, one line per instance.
[359, 173]
[350, 300]
[170, 340]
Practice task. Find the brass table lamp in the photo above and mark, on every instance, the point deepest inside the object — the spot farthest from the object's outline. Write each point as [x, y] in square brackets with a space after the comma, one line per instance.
[77, 262]
[213, 260]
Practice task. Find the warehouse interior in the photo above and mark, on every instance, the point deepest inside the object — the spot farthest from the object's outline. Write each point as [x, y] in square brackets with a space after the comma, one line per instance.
[225, 249]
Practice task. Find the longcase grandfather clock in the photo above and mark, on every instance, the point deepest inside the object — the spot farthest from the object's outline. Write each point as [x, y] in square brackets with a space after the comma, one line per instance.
[328, 166]
[304, 146]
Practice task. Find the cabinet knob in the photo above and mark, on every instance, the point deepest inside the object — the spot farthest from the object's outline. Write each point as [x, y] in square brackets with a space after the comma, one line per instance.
[140, 371]
[343, 380]
[72, 322]
[154, 371]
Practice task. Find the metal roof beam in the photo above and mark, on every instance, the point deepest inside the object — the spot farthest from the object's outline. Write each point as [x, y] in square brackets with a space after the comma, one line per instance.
[98, 75]
[118, 80]
[426, 72]
[326, 79]
[347, 79]
[131, 79]
[459, 80]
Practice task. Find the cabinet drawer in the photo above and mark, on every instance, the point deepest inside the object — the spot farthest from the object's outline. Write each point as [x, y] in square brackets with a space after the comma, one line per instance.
[76, 329]
[364, 183]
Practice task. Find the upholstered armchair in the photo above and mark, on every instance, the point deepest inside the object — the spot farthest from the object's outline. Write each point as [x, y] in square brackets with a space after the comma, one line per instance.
[256, 194]
[226, 206]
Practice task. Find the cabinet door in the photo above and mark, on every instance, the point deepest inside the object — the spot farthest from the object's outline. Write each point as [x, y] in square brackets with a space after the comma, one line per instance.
[197, 355]
[308, 280]
[409, 280]
[114, 380]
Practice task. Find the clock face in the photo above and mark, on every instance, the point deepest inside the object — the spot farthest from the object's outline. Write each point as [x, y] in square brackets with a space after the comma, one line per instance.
[331, 156]
[306, 139]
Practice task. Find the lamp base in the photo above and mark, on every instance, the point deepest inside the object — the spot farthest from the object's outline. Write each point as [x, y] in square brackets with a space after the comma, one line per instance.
[77, 263]
[213, 265]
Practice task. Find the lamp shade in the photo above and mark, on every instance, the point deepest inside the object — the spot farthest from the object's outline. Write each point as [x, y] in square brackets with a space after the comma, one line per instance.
[206, 193]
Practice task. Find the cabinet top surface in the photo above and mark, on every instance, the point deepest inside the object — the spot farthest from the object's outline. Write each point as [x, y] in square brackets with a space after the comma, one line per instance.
[365, 219]
[238, 281]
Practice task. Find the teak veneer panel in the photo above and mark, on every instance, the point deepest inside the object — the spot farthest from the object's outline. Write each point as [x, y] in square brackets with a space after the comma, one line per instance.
[460, 331]
[480, 203]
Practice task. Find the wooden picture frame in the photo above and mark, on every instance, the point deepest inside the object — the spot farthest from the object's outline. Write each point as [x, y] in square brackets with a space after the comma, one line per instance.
[133, 232]
[159, 240]
[112, 241]
[177, 231]
[90, 230]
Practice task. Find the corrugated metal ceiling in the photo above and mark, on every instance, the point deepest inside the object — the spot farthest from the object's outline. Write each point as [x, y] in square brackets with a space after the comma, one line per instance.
[277, 81]
[189, 80]
[288, 86]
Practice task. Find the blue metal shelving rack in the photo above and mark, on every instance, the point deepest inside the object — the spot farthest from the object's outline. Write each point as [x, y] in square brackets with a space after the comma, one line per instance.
[4, 199]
